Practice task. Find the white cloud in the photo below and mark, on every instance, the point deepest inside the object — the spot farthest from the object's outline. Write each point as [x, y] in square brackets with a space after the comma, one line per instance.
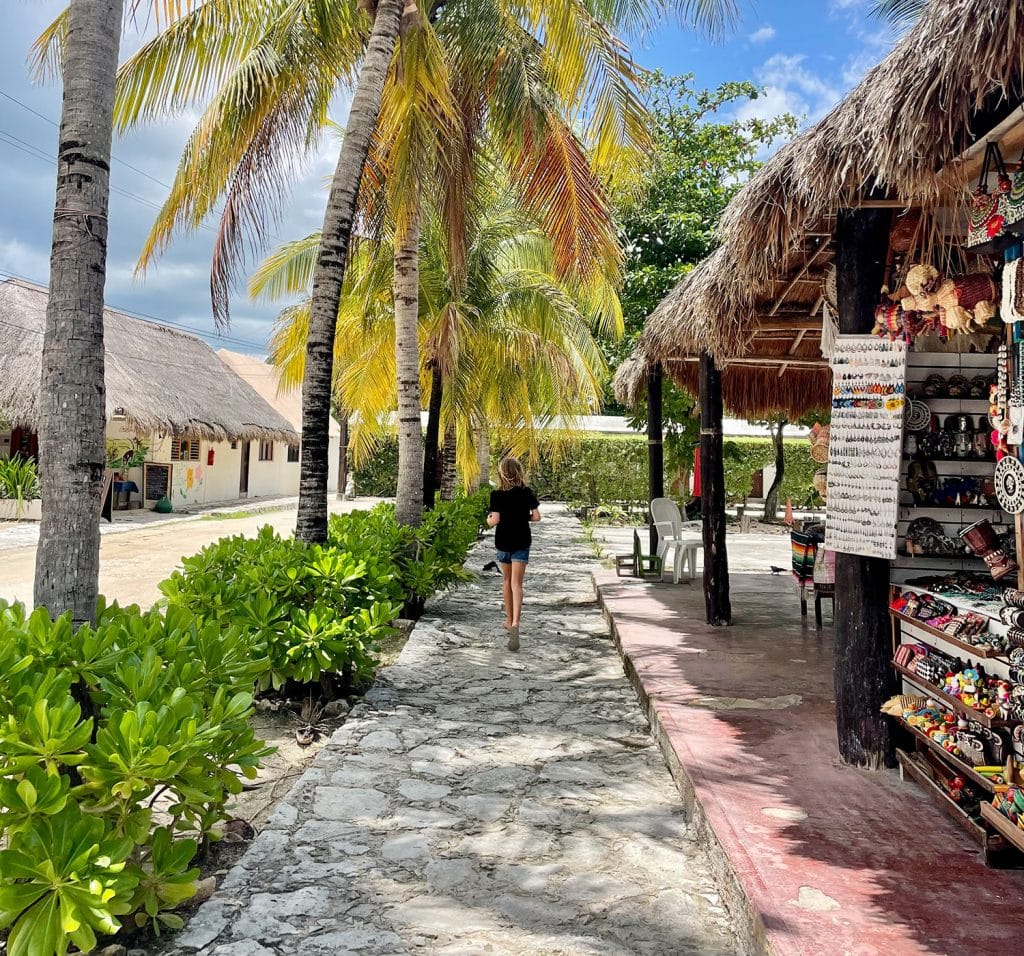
[762, 35]
[790, 87]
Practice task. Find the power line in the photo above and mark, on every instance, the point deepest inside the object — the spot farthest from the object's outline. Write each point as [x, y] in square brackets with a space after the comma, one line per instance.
[42, 116]
[152, 319]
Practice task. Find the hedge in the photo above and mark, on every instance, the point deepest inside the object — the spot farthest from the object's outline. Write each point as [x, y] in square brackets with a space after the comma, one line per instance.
[599, 469]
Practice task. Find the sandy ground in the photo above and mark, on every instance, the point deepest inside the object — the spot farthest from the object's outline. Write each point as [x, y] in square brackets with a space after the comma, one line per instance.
[134, 561]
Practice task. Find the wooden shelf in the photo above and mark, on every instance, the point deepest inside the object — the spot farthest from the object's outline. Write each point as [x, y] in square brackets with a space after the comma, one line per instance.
[911, 768]
[1004, 826]
[953, 703]
[955, 461]
[982, 653]
[961, 766]
[966, 556]
[946, 509]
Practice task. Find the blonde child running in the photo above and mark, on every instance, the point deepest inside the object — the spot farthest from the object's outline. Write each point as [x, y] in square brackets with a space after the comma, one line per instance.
[513, 508]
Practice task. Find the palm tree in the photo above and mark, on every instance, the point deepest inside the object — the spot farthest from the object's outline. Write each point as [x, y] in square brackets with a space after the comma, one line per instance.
[900, 12]
[532, 71]
[72, 416]
[513, 342]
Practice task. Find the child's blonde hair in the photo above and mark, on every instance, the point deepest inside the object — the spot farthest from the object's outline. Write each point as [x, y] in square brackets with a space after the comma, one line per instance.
[510, 474]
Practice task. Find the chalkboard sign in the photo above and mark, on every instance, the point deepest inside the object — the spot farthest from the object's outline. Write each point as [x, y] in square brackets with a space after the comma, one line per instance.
[156, 481]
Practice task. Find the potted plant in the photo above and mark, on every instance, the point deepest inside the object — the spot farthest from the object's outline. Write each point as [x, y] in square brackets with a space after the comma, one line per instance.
[19, 489]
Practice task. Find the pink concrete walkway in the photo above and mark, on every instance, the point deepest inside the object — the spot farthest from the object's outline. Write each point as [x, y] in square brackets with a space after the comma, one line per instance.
[824, 859]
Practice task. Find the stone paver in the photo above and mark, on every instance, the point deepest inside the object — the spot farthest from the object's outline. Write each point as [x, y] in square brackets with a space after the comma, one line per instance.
[480, 801]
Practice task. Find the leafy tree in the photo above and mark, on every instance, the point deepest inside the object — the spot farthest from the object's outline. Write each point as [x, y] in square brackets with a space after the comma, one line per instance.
[701, 159]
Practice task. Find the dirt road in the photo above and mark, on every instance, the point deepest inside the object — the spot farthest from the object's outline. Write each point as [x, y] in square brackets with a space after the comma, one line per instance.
[133, 563]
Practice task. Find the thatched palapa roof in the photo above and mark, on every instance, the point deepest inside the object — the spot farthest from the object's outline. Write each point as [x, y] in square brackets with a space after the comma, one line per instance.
[906, 136]
[159, 379]
[264, 378]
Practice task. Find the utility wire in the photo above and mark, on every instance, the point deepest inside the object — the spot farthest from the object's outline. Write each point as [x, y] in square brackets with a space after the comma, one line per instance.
[42, 116]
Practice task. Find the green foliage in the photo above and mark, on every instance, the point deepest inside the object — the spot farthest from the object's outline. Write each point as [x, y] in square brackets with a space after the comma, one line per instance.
[126, 452]
[744, 457]
[19, 479]
[95, 725]
[593, 471]
[698, 165]
[311, 609]
[423, 560]
[377, 475]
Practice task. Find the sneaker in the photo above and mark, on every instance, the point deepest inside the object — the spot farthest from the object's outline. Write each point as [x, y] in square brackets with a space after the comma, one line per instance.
[513, 638]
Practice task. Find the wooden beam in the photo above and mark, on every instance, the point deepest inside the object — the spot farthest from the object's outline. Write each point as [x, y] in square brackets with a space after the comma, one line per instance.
[792, 351]
[808, 324]
[823, 248]
[769, 360]
[717, 606]
[864, 677]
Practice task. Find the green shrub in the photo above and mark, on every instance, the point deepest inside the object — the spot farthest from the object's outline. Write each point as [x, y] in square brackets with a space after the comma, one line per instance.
[744, 457]
[423, 560]
[593, 471]
[377, 477]
[313, 609]
[95, 725]
[19, 479]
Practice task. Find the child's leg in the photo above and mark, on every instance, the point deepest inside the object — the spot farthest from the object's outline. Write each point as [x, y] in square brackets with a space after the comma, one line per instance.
[506, 591]
[518, 573]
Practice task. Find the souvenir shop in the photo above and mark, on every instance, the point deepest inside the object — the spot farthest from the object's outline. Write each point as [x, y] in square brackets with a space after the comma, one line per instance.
[925, 471]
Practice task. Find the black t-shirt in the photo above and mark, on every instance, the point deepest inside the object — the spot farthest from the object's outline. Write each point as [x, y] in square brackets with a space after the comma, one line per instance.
[515, 506]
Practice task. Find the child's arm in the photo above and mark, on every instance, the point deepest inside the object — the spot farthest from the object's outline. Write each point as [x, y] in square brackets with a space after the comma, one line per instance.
[493, 517]
[535, 514]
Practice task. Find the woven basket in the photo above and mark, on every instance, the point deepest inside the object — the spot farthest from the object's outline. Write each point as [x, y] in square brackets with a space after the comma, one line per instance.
[905, 230]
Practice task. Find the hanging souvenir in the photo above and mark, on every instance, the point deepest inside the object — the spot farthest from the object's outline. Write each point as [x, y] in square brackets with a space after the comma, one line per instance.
[966, 300]
[1013, 291]
[986, 218]
[1009, 479]
[1015, 434]
[1013, 202]
[919, 416]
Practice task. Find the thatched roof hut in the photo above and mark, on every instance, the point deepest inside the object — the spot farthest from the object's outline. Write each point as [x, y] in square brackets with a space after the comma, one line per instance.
[906, 136]
[264, 378]
[158, 379]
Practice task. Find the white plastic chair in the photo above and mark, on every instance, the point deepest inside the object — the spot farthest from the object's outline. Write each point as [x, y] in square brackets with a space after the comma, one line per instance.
[682, 538]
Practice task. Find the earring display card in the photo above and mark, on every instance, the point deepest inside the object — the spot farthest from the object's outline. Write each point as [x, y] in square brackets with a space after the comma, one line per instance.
[865, 449]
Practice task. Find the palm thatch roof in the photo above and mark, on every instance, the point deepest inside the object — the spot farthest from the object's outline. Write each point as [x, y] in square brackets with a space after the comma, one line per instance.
[265, 379]
[904, 137]
[157, 378]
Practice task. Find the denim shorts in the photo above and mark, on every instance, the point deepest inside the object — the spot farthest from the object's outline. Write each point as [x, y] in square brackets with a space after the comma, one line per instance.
[507, 557]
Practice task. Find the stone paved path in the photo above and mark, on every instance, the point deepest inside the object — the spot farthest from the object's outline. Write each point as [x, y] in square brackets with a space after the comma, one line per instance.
[482, 802]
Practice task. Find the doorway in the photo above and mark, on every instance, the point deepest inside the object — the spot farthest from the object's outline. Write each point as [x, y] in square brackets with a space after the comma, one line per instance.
[243, 478]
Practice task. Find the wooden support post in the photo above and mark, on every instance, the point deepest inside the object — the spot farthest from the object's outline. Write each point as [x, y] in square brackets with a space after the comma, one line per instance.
[712, 486]
[864, 677]
[655, 447]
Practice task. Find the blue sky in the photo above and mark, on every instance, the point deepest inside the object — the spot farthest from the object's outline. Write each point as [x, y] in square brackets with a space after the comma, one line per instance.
[804, 53]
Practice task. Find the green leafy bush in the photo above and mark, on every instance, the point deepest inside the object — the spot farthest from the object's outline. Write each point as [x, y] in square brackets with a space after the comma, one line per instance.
[593, 471]
[377, 477]
[313, 609]
[19, 479]
[423, 560]
[744, 457]
[96, 726]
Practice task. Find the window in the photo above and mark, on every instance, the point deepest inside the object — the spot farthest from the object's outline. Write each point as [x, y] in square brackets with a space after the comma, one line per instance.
[184, 449]
[293, 453]
[266, 451]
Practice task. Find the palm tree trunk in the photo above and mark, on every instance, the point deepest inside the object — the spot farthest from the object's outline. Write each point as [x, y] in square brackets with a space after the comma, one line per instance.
[771, 498]
[311, 525]
[433, 438]
[409, 495]
[449, 465]
[72, 417]
[483, 454]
